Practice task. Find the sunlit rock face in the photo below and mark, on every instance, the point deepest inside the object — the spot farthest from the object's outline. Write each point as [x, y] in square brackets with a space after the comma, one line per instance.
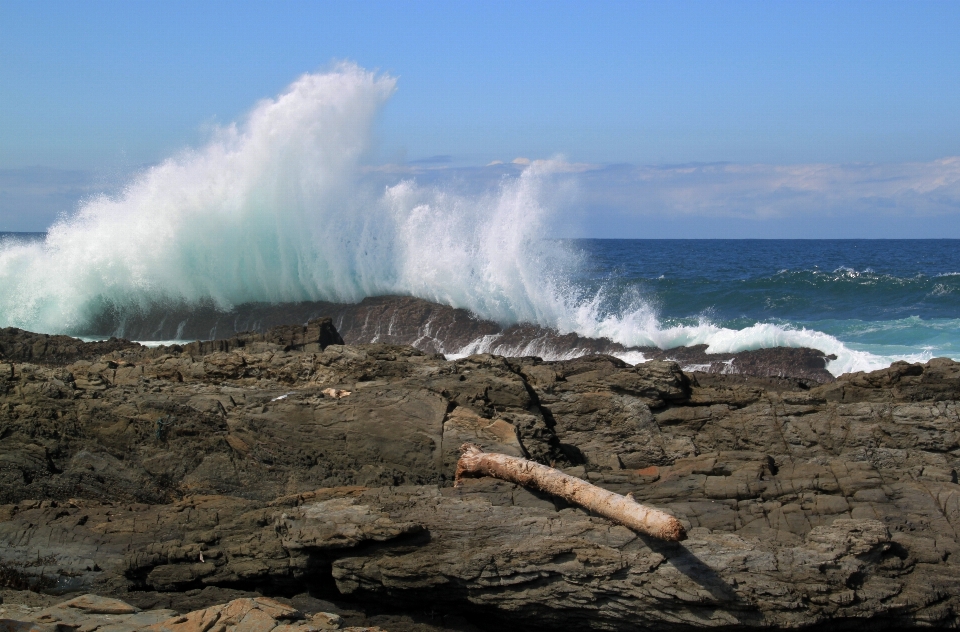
[284, 462]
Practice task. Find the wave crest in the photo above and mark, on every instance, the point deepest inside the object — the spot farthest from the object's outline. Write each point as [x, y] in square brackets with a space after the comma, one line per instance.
[274, 210]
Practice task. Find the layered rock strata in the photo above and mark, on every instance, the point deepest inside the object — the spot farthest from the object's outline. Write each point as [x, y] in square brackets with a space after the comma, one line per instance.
[159, 476]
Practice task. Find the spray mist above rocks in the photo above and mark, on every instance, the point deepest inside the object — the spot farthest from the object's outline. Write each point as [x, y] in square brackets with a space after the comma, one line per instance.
[275, 209]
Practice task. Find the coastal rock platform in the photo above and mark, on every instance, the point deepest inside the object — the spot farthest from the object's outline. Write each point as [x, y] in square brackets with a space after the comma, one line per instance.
[209, 476]
[435, 328]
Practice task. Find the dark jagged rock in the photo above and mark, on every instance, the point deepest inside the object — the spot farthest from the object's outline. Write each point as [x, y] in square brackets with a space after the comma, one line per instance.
[316, 335]
[384, 319]
[938, 380]
[808, 366]
[17, 345]
[434, 328]
[184, 477]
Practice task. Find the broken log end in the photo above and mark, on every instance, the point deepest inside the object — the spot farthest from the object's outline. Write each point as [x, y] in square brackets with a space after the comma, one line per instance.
[470, 454]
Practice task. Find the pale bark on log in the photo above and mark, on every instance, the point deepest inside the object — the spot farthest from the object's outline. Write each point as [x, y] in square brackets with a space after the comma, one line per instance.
[474, 462]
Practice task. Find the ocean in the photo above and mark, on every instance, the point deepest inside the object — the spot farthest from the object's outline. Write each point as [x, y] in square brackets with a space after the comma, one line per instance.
[280, 209]
[870, 302]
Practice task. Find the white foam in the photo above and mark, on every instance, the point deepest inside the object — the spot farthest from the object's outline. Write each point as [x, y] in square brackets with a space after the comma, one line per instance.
[631, 357]
[273, 209]
[163, 343]
[640, 327]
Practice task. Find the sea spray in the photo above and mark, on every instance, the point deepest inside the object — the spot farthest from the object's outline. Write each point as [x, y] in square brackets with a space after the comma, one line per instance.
[274, 210]
[253, 216]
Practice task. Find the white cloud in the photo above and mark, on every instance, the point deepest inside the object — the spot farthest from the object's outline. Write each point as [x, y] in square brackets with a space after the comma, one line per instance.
[770, 191]
[628, 200]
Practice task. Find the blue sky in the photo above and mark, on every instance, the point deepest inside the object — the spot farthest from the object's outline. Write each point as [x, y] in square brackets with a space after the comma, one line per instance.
[95, 90]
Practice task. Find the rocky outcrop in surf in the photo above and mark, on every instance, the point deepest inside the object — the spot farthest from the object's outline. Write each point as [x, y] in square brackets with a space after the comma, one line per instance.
[435, 328]
[183, 478]
[17, 345]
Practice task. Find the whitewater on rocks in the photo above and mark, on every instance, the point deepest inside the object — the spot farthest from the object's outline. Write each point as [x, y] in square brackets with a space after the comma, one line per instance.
[435, 328]
[281, 211]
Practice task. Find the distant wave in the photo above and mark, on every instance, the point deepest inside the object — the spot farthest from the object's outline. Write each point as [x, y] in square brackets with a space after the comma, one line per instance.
[273, 210]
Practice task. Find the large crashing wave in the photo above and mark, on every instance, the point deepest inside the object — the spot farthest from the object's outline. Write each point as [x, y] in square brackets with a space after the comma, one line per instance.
[274, 209]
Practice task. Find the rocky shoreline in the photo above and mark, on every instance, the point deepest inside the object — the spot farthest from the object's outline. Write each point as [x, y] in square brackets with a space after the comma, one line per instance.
[180, 479]
[434, 328]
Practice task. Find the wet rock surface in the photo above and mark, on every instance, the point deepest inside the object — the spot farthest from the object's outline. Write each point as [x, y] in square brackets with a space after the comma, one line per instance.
[434, 328]
[183, 479]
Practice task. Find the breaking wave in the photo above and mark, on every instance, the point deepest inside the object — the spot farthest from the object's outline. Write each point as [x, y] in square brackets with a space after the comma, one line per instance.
[274, 209]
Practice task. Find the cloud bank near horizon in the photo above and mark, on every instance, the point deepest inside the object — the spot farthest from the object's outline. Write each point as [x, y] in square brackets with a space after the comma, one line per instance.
[910, 199]
[763, 191]
[731, 200]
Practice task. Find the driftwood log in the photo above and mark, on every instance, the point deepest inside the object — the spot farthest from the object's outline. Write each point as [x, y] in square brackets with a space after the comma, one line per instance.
[474, 462]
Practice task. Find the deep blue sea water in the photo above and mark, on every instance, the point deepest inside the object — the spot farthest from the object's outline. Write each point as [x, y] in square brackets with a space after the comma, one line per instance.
[886, 298]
